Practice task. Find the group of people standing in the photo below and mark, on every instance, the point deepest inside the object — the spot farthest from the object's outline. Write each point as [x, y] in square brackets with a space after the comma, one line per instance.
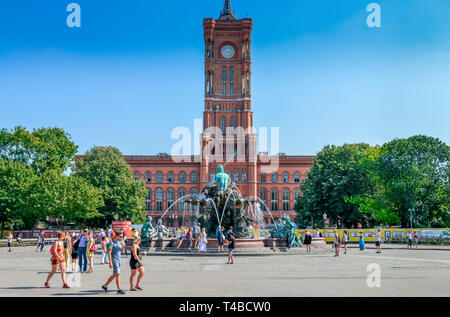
[199, 238]
[342, 242]
[82, 248]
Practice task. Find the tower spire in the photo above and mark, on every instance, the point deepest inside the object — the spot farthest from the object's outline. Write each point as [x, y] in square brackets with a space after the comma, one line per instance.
[227, 13]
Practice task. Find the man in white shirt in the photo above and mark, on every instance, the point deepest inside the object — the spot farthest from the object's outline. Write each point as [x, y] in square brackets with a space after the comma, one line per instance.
[378, 240]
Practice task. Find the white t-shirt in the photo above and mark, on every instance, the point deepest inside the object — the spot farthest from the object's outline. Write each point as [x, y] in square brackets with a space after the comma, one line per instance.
[378, 236]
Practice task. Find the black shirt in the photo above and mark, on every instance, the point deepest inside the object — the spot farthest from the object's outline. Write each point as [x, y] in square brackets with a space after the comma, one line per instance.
[232, 242]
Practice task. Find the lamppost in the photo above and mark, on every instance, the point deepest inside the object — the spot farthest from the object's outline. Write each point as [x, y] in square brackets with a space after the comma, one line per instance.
[116, 216]
[324, 219]
[411, 210]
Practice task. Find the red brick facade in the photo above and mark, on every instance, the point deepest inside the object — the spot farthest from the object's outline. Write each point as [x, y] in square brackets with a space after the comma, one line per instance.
[227, 107]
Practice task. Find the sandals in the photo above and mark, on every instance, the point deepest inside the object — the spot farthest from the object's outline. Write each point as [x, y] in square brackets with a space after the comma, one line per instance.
[46, 285]
[139, 288]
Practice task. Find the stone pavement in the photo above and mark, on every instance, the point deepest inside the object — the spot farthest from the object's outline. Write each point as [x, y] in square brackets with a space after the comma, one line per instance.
[403, 272]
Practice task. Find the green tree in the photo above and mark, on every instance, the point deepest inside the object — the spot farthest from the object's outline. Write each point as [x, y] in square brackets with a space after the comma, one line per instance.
[338, 172]
[106, 169]
[66, 199]
[16, 184]
[414, 173]
[42, 149]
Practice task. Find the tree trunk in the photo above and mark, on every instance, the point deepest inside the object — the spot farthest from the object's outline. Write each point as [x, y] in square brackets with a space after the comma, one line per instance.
[2, 229]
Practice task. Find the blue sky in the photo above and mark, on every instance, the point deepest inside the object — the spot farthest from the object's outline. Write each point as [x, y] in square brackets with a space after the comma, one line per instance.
[134, 70]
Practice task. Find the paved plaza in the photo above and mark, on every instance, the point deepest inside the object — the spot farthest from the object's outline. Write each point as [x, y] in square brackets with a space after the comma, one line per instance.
[417, 272]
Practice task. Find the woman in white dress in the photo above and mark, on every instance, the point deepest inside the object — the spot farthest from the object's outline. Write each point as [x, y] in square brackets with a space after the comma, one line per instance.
[203, 241]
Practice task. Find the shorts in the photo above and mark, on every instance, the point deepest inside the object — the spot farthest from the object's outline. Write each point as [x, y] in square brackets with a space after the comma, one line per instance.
[56, 261]
[378, 243]
[116, 266]
[220, 242]
[75, 256]
[134, 265]
[336, 245]
[230, 251]
[9, 244]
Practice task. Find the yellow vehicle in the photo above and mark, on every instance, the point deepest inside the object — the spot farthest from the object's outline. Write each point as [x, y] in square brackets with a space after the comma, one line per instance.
[387, 234]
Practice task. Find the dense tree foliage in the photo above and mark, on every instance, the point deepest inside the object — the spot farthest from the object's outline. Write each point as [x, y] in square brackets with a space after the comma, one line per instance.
[106, 169]
[379, 185]
[34, 185]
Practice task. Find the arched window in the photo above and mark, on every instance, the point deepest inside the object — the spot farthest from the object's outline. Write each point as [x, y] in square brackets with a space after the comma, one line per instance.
[224, 81]
[263, 178]
[236, 177]
[193, 177]
[232, 125]
[193, 195]
[244, 177]
[285, 199]
[274, 199]
[170, 177]
[182, 177]
[136, 176]
[181, 203]
[296, 194]
[170, 199]
[274, 177]
[297, 178]
[159, 199]
[159, 177]
[285, 178]
[148, 177]
[148, 200]
[263, 197]
[223, 126]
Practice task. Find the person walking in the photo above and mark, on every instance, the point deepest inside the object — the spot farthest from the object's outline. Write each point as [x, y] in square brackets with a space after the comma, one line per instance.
[189, 239]
[362, 245]
[416, 240]
[58, 260]
[90, 251]
[82, 243]
[344, 241]
[41, 243]
[67, 242]
[318, 234]
[75, 252]
[410, 239]
[136, 265]
[231, 246]
[20, 240]
[104, 259]
[181, 236]
[197, 231]
[220, 238]
[10, 239]
[307, 240]
[378, 240]
[114, 254]
[203, 241]
[337, 243]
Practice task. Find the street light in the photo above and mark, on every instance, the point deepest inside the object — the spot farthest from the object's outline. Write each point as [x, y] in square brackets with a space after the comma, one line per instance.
[411, 210]
[324, 219]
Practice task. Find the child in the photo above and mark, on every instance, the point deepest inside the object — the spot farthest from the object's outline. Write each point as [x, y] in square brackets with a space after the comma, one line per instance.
[231, 246]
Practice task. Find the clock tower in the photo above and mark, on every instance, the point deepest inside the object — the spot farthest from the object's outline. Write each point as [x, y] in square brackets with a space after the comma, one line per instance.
[228, 109]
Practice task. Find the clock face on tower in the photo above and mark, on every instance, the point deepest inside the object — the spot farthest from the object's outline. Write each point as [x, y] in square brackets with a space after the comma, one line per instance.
[227, 51]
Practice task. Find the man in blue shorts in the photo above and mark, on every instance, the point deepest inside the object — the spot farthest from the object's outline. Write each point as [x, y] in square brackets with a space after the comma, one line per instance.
[114, 254]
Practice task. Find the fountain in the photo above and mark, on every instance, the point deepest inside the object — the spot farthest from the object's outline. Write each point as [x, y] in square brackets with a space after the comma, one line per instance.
[221, 203]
